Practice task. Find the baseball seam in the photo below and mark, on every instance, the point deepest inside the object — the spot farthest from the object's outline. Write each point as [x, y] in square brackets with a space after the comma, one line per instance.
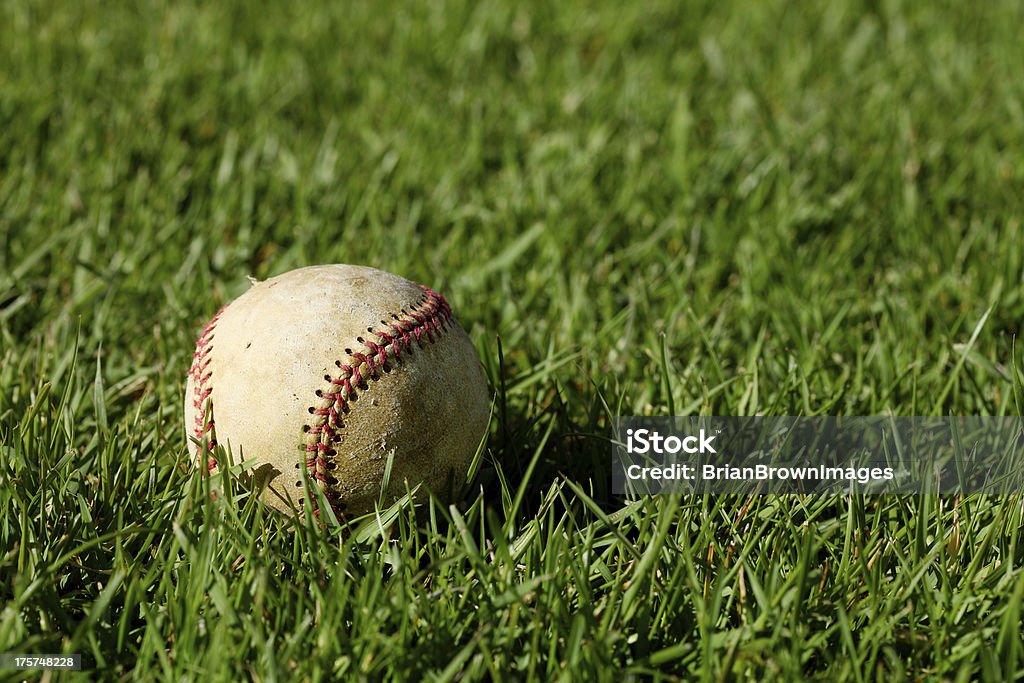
[202, 394]
[419, 324]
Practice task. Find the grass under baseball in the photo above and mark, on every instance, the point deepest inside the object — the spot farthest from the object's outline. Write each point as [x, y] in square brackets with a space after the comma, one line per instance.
[652, 208]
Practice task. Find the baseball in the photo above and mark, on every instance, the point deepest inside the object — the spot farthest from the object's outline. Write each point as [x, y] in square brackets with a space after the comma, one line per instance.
[339, 367]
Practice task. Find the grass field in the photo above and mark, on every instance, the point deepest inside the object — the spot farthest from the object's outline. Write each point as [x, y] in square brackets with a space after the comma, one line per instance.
[634, 208]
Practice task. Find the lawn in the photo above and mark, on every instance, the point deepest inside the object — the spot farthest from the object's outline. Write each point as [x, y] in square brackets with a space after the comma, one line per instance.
[634, 209]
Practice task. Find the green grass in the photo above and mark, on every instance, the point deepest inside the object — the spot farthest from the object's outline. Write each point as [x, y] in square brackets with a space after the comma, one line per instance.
[634, 208]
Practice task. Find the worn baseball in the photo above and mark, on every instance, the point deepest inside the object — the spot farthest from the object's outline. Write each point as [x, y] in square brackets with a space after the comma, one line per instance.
[340, 368]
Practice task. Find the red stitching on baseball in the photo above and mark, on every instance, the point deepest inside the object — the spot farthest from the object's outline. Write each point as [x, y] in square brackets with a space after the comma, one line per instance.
[431, 316]
[202, 391]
